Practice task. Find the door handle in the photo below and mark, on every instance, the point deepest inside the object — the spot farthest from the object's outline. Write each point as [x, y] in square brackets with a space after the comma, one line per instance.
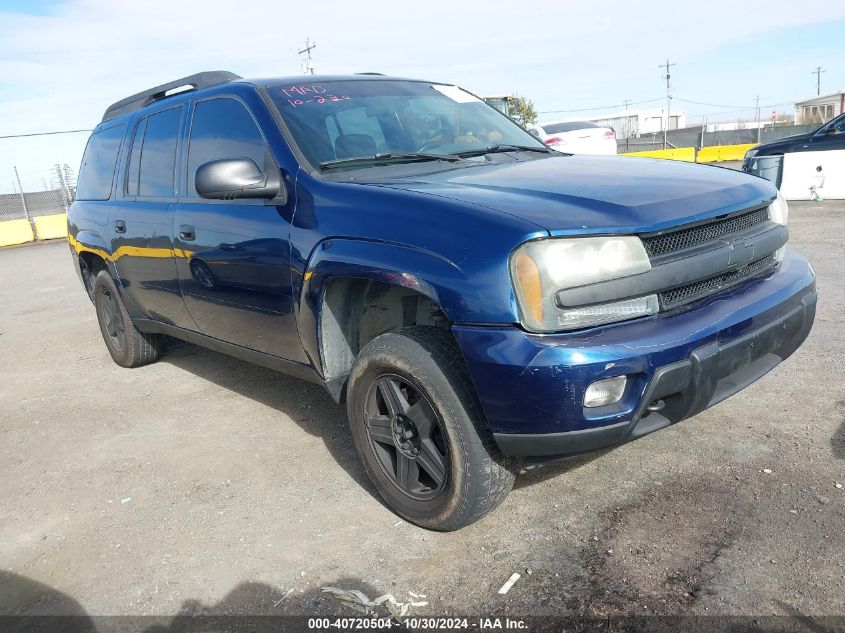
[187, 233]
[119, 226]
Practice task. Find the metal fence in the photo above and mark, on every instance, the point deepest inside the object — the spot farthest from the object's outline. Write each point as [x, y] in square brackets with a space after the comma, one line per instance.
[28, 196]
[697, 137]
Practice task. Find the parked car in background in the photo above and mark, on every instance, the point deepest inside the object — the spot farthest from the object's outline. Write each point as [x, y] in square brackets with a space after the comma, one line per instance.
[577, 137]
[478, 301]
[830, 136]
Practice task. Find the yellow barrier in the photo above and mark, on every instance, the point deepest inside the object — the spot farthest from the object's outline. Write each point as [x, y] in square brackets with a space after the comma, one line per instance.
[15, 232]
[50, 227]
[686, 154]
[723, 152]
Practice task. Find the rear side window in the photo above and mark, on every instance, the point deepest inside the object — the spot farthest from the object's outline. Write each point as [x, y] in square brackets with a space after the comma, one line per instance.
[152, 163]
[223, 128]
[98, 163]
[559, 128]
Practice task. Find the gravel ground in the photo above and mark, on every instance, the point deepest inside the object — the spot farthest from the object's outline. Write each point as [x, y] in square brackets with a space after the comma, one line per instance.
[205, 484]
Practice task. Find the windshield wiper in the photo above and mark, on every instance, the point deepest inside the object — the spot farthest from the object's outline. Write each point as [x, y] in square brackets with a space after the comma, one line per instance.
[386, 157]
[502, 148]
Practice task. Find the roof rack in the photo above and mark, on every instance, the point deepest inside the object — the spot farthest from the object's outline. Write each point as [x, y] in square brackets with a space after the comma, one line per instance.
[145, 98]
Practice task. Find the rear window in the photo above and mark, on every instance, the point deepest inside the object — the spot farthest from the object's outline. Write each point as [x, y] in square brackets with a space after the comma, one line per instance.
[98, 163]
[558, 128]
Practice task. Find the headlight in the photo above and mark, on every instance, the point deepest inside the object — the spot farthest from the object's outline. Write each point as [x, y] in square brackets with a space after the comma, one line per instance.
[542, 268]
[779, 212]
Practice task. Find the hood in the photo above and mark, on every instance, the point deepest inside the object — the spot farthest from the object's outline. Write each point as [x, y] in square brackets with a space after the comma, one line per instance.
[595, 194]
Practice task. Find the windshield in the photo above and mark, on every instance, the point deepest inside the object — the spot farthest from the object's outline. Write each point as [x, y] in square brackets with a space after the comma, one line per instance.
[338, 120]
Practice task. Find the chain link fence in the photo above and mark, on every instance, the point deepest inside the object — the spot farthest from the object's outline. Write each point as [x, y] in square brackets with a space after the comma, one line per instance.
[696, 137]
[26, 196]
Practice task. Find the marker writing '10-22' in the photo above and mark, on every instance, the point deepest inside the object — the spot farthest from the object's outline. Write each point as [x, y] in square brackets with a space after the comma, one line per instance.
[302, 94]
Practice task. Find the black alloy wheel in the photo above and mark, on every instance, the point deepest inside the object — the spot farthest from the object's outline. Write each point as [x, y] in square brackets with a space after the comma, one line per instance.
[407, 437]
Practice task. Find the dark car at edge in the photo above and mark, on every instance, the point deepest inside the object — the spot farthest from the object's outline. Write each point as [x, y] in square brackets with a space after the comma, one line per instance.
[827, 137]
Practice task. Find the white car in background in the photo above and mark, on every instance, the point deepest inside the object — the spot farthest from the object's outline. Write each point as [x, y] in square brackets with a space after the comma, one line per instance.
[576, 137]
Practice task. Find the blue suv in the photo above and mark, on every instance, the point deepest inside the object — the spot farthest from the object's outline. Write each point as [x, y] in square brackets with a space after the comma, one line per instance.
[478, 301]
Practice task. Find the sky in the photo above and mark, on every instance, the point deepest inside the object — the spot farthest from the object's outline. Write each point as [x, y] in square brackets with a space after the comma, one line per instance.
[62, 62]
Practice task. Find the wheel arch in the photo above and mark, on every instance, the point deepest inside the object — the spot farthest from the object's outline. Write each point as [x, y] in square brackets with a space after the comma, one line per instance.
[91, 255]
[354, 290]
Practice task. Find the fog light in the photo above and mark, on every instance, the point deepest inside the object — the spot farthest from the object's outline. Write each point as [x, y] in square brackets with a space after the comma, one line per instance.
[606, 391]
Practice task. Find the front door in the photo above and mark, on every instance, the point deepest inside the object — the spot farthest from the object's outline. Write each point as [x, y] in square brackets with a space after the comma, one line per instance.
[233, 256]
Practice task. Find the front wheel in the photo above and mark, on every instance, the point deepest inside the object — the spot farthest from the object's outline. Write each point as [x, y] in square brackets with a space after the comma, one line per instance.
[418, 428]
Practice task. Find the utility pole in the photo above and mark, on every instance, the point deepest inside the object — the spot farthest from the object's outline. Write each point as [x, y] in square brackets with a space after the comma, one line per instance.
[818, 73]
[667, 66]
[757, 115]
[307, 63]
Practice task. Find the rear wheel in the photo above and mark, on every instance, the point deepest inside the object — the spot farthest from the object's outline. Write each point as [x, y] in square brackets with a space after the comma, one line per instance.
[419, 430]
[128, 346]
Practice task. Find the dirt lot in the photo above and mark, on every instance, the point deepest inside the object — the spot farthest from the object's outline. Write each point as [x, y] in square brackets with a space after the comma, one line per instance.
[204, 483]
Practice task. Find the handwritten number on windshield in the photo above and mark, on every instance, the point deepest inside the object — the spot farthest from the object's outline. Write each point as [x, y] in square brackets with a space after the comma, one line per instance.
[302, 94]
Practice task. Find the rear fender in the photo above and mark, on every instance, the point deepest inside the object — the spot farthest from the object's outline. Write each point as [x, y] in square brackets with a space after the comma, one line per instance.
[91, 242]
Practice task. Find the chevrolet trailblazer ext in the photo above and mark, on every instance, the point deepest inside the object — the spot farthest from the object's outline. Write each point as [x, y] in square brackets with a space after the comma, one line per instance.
[477, 300]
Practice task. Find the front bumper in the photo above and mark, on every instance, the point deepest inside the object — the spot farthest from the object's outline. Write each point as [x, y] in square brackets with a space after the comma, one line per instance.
[532, 386]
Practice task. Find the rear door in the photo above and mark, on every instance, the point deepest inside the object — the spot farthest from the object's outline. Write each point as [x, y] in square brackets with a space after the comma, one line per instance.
[141, 221]
[233, 256]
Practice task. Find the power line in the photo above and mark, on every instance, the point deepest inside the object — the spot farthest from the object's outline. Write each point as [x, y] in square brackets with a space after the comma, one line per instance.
[43, 133]
[625, 103]
[732, 107]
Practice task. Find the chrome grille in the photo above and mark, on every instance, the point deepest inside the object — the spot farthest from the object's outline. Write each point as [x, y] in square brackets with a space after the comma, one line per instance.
[698, 289]
[680, 239]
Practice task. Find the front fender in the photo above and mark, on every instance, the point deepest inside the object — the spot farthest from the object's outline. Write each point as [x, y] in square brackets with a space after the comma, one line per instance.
[443, 281]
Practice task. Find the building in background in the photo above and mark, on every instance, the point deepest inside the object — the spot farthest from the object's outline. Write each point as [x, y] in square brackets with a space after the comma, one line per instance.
[820, 109]
[632, 123]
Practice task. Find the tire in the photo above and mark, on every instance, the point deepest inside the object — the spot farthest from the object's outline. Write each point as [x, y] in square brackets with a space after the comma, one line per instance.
[420, 432]
[128, 346]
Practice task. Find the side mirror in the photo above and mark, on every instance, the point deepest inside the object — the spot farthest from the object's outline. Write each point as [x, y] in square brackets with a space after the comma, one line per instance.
[237, 178]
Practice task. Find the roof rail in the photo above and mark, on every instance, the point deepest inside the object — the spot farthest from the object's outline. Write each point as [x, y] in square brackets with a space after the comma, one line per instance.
[371, 73]
[145, 98]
